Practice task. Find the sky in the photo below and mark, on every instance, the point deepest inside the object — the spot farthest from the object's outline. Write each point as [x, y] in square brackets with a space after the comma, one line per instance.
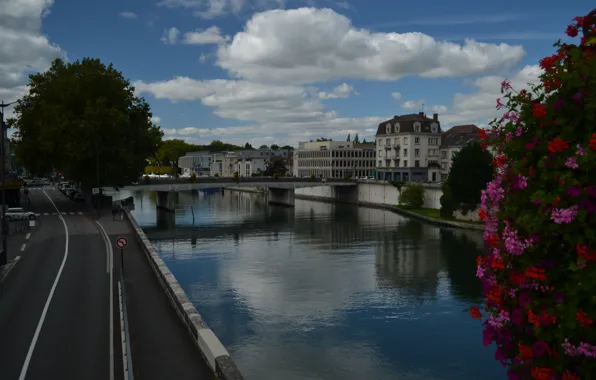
[284, 71]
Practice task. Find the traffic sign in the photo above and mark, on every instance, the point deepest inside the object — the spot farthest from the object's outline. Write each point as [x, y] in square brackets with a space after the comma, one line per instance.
[95, 190]
[121, 242]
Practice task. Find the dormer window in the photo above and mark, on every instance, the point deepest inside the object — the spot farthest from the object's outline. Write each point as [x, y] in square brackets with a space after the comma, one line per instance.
[434, 128]
[388, 130]
[417, 127]
[396, 126]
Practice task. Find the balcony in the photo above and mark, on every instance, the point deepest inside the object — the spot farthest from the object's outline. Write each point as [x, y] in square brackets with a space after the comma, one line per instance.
[396, 146]
[387, 147]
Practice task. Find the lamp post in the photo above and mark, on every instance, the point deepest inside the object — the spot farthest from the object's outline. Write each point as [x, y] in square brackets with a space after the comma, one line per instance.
[4, 253]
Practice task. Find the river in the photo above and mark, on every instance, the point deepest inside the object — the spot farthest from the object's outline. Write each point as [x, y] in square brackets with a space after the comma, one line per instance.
[323, 291]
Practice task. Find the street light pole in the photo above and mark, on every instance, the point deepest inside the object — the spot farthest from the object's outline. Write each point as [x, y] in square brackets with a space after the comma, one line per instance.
[4, 253]
[97, 172]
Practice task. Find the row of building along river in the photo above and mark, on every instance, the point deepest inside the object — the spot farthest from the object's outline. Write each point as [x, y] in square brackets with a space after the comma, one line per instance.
[324, 291]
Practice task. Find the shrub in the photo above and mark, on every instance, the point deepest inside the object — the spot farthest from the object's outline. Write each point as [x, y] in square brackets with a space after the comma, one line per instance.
[146, 179]
[276, 175]
[540, 272]
[446, 200]
[312, 177]
[348, 177]
[236, 177]
[193, 178]
[216, 175]
[470, 171]
[412, 196]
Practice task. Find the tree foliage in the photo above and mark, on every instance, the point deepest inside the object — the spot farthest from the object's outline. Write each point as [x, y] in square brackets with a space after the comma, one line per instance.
[276, 165]
[471, 170]
[540, 210]
[412, 196]
[81, 113]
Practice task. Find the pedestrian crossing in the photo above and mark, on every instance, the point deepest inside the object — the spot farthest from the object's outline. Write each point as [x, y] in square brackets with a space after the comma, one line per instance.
[64, 213]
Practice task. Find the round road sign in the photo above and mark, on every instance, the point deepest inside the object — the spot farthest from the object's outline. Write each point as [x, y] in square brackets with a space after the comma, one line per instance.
[121, 242]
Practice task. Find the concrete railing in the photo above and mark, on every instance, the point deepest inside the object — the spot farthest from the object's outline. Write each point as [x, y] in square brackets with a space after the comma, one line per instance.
[216, 180]
[18, 226]
[212, 350]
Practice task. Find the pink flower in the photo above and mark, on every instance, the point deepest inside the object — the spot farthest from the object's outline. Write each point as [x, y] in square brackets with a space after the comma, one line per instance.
[592, 191]
[564, 215]
[575, 190]
[520, 182]
[499, 104]
[571, 163]
[580, 151]
[505, 85]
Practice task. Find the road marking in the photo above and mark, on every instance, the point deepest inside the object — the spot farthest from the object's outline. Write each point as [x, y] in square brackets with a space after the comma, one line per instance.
[72, 213]
[32, 223]
[48, 301]
[28, 236]
[79, 213]
[46, 213]
[63, 213]
[23, 247]
[54, 213]
[109, 269]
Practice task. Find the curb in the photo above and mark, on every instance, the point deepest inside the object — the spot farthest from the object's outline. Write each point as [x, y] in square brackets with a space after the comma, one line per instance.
[212, 350]
[5, 270]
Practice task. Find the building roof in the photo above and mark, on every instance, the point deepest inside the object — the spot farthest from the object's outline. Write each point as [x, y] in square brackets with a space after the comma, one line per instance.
[460, 135]
[406, 123]
[364, 145]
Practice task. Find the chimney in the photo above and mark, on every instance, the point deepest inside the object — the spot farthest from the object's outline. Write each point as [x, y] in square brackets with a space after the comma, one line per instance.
[435, 116]
[421, 114]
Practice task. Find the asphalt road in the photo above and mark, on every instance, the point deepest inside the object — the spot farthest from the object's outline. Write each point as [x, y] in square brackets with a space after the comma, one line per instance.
[55, 304]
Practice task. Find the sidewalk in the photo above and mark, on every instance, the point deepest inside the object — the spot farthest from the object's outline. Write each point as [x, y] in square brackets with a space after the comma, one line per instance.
[160, 344]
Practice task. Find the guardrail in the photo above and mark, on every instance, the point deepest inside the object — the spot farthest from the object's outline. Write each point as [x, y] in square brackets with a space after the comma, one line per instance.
[210, 347]
[124, 331]
[215, 180]
[18, 226]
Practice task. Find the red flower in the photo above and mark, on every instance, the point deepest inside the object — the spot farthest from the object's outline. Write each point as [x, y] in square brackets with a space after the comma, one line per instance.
[539, 373]
[525, 351]
[593, 142]
[568, 376]
[583, 319]
[482, 134]
[579, 20]
[482, 214]
[556, 202]
[493, 241]
[497, 264]
[539, 110]
[475, 312]
[535, 273]
[571, 31]
[533, 318]
[583, 252]
[557, 145]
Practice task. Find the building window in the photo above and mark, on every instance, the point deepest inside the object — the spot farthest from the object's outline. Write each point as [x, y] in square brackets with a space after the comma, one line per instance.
[434, 177]
[396, 126]
[388, 128]
[405, 141]
[405, 163]
[443, 154]
[380, 153]
[405, 152]
[433, 141]
[417, 163]
[416, 152]
[416, 140]
[443, 165]
[380, 163]
[396, 141]
[416, 127]
[434, 127]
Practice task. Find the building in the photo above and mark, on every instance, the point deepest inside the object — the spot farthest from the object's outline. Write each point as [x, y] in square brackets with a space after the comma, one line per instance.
[246, 162]
[407, 148]
[452, 141]
[334, 159]
[198, 163]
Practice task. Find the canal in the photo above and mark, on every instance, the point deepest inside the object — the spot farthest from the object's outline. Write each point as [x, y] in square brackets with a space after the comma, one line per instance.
[323, 291]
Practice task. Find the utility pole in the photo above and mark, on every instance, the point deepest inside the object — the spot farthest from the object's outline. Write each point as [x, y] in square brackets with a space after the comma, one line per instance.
[97, 172]
[4, 253]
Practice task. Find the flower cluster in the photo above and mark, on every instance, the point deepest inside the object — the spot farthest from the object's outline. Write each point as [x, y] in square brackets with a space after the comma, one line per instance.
[539, 273]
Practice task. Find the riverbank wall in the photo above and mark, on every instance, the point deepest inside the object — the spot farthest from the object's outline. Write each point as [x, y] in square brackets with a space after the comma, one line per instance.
[380, 194]
[213, 351]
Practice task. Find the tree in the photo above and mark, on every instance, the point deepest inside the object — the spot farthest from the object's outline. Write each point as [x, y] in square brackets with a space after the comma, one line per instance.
[287, 147]
[263, 147]
[348, 139]
[364, 141]
[274, 147]
[356, 139]
[275, 165]
[171, 151]
[248, 146]
[471, 170]
[80, 114]
[412, 197]
[321, 139]
[539, 271]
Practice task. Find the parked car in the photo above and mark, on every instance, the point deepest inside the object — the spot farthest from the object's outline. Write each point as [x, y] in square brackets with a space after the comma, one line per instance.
[78, 197]
[18, 213]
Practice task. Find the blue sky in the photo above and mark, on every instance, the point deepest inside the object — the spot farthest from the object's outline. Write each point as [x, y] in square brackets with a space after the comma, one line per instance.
[267, 71]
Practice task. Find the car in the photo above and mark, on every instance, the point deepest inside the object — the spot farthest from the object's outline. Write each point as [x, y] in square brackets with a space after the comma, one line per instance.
[15, 213]
[78, 197]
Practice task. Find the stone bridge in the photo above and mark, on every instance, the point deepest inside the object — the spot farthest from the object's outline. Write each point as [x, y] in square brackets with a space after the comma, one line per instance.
[279, 191]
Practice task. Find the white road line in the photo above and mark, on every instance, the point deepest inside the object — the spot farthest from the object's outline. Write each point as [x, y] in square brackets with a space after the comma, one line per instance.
[23, 247]
[28, 236]
[63, 213]
[46, 213]
[110, 270]
[79, 213]
[72, 213]
[48, 301]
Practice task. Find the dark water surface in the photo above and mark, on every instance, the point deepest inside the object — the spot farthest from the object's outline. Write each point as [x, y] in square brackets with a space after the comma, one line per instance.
[326, 291]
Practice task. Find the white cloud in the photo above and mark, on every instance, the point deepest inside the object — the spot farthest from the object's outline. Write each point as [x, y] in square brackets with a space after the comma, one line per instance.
[479, 107]
[203, 58]
[128, 14]
[23, 47]
[396, 96]
[413, 104]
[342, 91]
[156, 120]
[170, 36]
[208, 36]
[310, 45]
[209, 9]
[438, 109]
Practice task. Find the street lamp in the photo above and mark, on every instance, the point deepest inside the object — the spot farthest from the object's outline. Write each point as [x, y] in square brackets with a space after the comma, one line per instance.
[4, 253]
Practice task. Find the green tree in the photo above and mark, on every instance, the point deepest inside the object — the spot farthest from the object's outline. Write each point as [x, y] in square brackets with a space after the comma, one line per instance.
[275, 165]
[364, 141]
[356, 139]
[171, 151]
[263, 147]
[471, 170]
[348, 139]
[80, 114]
[274, 147]
[248, 146]
[412, 196]
[287, 147]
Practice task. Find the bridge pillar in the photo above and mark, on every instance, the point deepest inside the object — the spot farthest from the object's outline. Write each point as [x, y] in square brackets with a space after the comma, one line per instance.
[346, 194]
[166, 220]
[166, 200]
[283, 197]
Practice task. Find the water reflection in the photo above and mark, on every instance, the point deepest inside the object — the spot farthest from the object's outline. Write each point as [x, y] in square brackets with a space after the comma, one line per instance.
[326, 291]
